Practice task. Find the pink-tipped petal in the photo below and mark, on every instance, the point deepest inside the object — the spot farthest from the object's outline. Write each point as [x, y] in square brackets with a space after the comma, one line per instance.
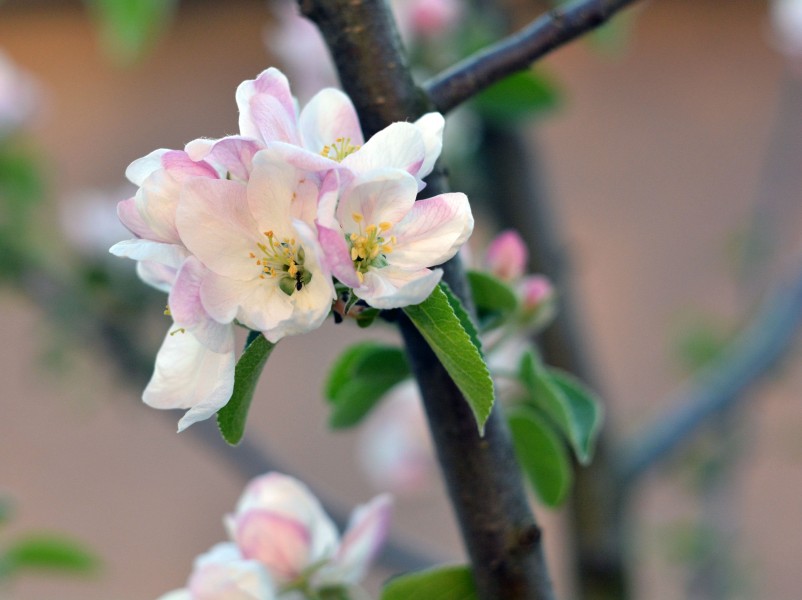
[337, 256]
[364, 536]
[189, 313]
[129, 216]
[224, 574]
[139, 170]
[267, 109]
[280, 543]
[432, 232]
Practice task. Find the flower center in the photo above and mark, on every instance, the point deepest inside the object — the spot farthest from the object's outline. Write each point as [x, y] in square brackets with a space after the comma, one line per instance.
[369, 247]
[339, 149]
[282, 260]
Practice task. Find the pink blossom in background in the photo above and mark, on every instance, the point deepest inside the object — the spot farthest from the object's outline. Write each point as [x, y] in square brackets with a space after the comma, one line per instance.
[426, 18]
[284, 542]
[20, 97]
[281, 524]
[506, 256]
[394, 449]
[89, 219]
[536, 290]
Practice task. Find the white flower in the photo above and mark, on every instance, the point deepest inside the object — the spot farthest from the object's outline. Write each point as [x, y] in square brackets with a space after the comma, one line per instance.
[259, 246]
[280, 524]
[223, 574]
[380, 242]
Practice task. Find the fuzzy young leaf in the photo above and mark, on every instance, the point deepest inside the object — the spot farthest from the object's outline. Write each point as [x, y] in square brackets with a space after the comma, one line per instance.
[541, 454]
[452, 344]
[47, 552]
[232, 417]
[569, 406]
[439, 583]
[495, 300]
[359, 378]
[519, 96]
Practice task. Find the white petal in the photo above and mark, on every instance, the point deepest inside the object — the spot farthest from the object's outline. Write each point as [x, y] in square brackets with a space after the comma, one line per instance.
[329, 115]
[395, 288]
[398, 146]
[141, 168]
[431, 126]
[170, 255]
[189, 375]
[382, 195]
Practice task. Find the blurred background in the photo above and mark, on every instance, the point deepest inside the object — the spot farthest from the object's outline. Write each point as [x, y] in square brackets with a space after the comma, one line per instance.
[672, 164]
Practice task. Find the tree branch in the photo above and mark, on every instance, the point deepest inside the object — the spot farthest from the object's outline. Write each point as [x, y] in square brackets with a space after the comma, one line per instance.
[516, 52]
[482, 476]
[756, 350]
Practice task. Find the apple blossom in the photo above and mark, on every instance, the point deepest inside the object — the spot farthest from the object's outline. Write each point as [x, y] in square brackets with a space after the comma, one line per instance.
[281, 524]
[263, 259]
[324, 135]
[380, 242]
[223, 574]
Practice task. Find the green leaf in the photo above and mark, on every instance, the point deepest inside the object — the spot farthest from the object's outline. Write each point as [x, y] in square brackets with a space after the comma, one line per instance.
[573, 409]
[463, 316]
[586, 410]
[232, 417]
[494, 299]
[542, 455]
[519, 96]
[48, 552]
[439, 583]
[359, 378]
[129, 27]
[452, 344]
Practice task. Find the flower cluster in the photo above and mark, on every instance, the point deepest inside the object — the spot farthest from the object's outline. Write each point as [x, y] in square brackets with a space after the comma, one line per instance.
[251, 229]
[284, 545]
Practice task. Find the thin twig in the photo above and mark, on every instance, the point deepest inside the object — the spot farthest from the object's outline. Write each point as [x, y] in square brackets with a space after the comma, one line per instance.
[748, 359]
[559, 26]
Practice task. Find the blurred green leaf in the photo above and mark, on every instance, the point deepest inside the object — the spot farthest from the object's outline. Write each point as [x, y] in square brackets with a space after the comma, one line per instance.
[439, 583]
[47, 552]
[574, 410]
[519, 96]
[128, 28]
[456, 349]
[232, 417]
[586, 410]
[542, 455]
[359, 378]
[495, 300]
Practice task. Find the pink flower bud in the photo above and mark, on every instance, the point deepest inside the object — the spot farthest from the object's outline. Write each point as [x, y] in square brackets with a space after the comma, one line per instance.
[536, 290]
[507, 256]
[429, 18]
